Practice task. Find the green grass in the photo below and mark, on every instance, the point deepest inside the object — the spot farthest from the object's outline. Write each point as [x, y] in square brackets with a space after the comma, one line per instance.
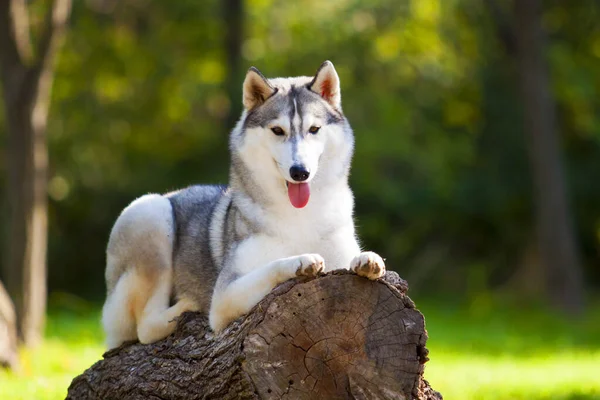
[73, 342]
[477, 351]
[491, 352]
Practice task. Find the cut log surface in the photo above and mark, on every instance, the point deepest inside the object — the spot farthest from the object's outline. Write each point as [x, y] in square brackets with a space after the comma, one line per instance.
[337, 336]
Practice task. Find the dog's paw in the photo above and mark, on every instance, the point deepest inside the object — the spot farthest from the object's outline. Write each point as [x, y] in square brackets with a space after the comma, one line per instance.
[369, 265]
[309, 264]
[186, 305]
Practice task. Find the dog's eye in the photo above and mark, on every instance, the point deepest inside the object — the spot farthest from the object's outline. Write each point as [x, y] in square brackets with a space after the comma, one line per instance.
[314, 129]
[277, 130]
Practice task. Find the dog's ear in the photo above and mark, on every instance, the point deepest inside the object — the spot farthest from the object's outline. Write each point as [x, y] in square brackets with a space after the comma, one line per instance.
[257, 89]
[326, 83]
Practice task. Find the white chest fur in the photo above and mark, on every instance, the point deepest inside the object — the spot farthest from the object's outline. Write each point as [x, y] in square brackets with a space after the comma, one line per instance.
[324, 226]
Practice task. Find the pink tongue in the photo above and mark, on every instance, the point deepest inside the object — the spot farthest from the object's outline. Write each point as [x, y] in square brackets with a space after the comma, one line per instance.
[298, 194]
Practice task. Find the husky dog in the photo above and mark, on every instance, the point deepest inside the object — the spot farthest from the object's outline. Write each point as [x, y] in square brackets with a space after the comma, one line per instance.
[287, 212]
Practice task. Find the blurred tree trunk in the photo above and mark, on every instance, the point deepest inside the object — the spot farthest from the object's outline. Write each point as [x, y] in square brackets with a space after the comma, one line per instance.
[26, 82]
[8, 331]
[233, 16]
[554, 227]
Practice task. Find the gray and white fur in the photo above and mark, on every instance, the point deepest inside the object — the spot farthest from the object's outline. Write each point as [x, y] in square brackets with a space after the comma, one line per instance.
[220, 249]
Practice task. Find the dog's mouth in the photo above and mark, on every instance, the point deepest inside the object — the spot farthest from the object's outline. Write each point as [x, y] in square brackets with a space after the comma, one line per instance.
[299, 193]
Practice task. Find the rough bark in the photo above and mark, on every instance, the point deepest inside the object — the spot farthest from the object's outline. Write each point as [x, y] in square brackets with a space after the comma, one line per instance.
[554, 226]
[26, 82]
[338, 336]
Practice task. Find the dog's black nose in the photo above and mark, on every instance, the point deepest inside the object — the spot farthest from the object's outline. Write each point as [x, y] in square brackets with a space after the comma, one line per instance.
[299, 173]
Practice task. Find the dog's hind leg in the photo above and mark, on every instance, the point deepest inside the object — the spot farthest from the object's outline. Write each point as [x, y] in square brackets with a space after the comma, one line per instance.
[157, 319]
[139, 274]
[138, 307]
[117, 317]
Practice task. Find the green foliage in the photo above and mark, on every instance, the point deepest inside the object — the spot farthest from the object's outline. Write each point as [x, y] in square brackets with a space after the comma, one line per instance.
[441, 177]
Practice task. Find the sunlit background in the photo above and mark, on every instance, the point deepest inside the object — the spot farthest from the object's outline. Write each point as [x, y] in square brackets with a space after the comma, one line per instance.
[144, 95]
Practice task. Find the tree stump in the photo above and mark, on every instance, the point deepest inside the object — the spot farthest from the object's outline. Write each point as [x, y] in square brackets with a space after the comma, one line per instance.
[337, 336]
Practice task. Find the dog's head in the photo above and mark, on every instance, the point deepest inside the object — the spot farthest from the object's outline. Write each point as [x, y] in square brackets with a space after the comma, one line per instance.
[293, 136]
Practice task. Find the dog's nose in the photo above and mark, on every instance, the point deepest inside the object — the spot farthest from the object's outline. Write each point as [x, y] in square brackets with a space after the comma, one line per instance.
[299, 173]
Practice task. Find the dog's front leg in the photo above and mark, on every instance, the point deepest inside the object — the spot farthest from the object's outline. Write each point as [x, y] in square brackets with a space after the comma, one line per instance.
[348, 255]
[236, 296]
